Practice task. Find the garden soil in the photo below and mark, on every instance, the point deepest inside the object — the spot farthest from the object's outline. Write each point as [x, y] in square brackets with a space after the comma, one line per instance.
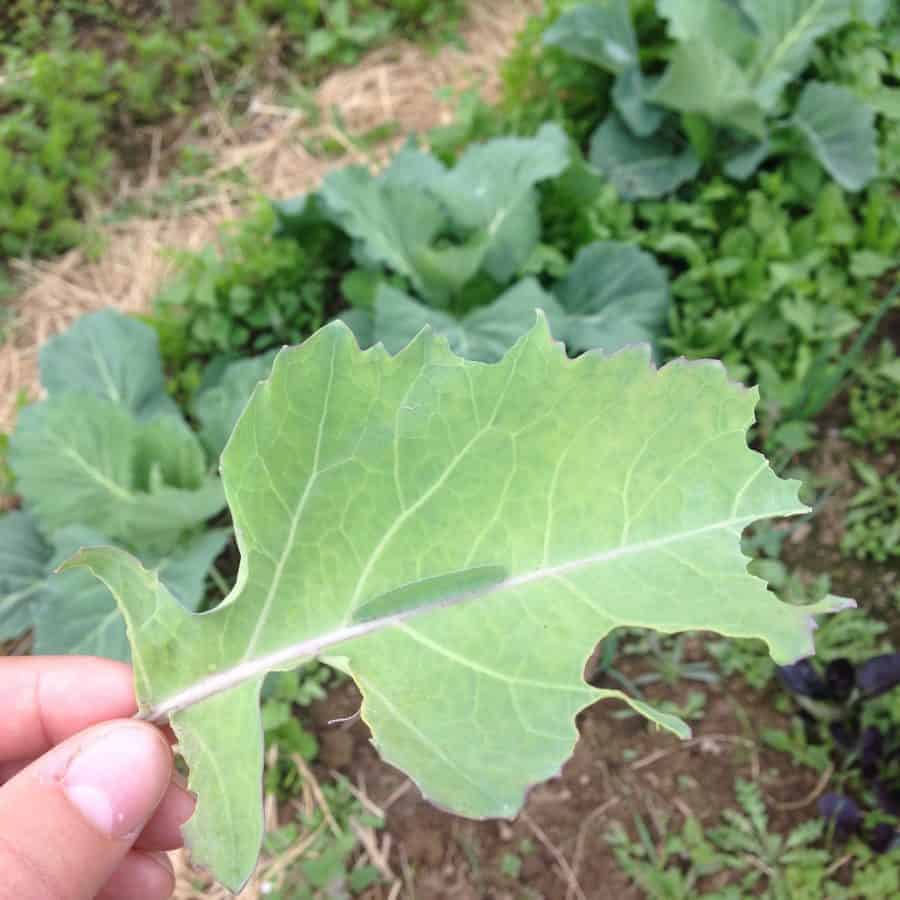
[621, 769]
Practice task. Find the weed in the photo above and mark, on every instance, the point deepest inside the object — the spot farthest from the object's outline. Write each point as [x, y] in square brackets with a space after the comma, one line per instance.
[741, 856]
[257, 291]
[873, 519]
[68, 113]
[875, 401]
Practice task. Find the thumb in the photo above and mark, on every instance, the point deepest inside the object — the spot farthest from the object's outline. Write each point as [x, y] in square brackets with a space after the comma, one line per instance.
[68, 820]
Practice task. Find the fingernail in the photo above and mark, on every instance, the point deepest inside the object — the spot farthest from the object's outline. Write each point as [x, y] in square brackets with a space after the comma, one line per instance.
[118, 779]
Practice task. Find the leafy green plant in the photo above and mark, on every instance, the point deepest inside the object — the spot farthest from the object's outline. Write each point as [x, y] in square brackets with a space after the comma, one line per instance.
[741, 855]
[875, 400]
[778, 280]
[258, 290]
[329, 866]
[282, 694]
[723, 96]
[872, 522]
[345, 460]
[67, 114]
[672, 865]
[459, 249]
[54, 108]
[106, 458]
[854, 637]
[747, 844]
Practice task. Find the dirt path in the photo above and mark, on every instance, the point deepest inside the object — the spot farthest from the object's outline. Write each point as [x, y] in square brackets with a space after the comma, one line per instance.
[395, 84]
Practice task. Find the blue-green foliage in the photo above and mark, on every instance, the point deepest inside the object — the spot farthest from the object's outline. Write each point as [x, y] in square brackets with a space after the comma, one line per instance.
[107, 458]
[462, 249]
[728, 94]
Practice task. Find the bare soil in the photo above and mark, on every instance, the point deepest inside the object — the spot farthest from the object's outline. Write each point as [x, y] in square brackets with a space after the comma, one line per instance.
[621, 768]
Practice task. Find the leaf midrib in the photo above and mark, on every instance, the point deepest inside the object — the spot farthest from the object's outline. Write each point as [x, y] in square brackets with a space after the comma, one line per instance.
[301, 651]
[791, 38]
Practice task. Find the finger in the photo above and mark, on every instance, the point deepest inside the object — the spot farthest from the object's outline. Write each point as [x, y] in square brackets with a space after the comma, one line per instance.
[163, 831]
[69, 820]
[8, 769]
[141, 876]
[45, 700]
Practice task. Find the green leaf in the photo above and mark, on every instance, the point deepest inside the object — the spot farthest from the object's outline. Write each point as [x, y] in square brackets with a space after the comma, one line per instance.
[600, 32]
[630, 96]
[362, 323]
[431, 591]
[218, 407]
[484, 334]
[110, 355]
[615, 295]
[872, 12]
[717, 22]
[703, 79]
[24, 557]
[394, 223]
[745, 162]
[81, 616]
[183, 570]
[650, 167]
[613, 495]
[491, 191]
[72, 612]
[487, 203]
[787, 32]
[840, 130]
[80, 459]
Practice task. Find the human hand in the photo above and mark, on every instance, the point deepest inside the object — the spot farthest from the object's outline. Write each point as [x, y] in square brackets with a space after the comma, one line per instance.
[87, 801]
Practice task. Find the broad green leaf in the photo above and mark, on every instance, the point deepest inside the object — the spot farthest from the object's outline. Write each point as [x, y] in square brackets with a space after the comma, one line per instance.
[219, 406]
[648, 167]
[612, 494]
[614, 295]
[486, 203]
[744, 163]
[872, 11]
[491, 191]
[109, 355]
[787, 32]
[362, 323]
[80, 615]
[183, 570]
[431, 591]
[484, 334]
[296, 215]
[600, 32]
[717, 22]
[630, 94]
[395, 224]
[840, 130]
[81, 459]
[703, 79]
[24, 557]
[886, 102]
[72, 612]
